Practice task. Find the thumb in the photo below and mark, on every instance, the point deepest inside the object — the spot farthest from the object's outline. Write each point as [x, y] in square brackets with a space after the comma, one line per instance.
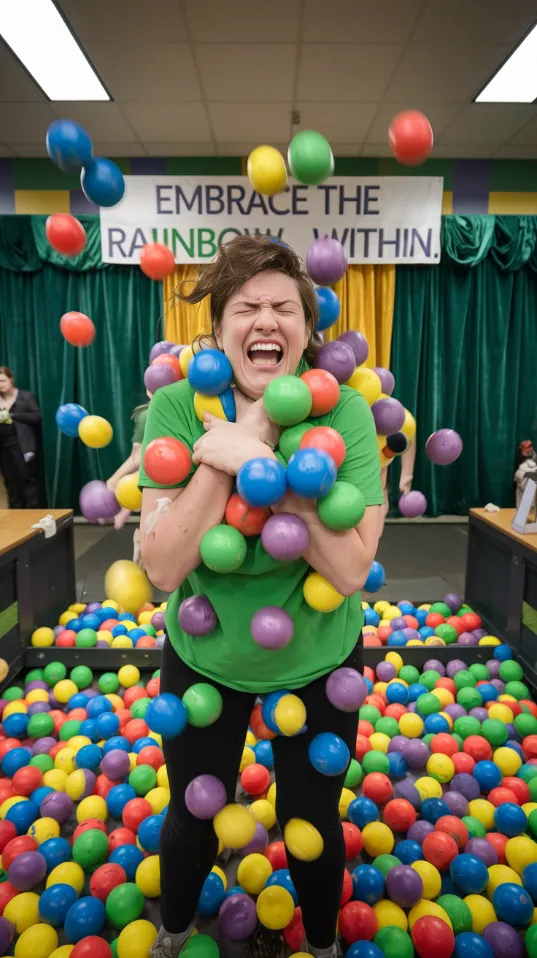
[209, 420]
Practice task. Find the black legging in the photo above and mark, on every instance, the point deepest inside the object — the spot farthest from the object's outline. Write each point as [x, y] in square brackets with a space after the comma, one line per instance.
[189, 845]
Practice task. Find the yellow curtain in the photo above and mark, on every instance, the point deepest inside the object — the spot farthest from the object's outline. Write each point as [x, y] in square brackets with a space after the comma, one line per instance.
[366, 294]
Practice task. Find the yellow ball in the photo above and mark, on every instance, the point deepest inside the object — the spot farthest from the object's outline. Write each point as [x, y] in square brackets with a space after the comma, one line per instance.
[9, 802]
[115, 700]
[448, 719]
[506, 698]
[507, 760]
[95, 432]
[148, 876]
[275, 907]
[64, 690]
[411, 725]
[112, 604]
[162, 777]
[185, 356]
[347, 796]
[445, 697]
[409, 430]
[489, 640]
[43, 829]
[37, 695]
[75, 785]
[366, 382]
[145, 617]
[271, 795]
[211, 404]
[38, 941]
[106, 635]
[66, 617]
[66, 760]
[62, 952]
[92, 807]
[482, 912]
[528, 808]
[320, 595]
[42, 638]
[425, 907]
[431, 878]
[395, 659]
[521, 852]
[499, 710]
[379, 742]
[127, 584]
[414, 643]
[247, 758]
[234, 826]
[67, 873]
[14, 708]
[499, 875]
[440, 767]
[290, 714]
[303, 840]
[23, 911]
[380, 687]
[77, 608]
[435, 641]
[136, 939]
[380, 606]
[221, 874]
[428, 787]
[122, 642]
[378, 839]
[266, 170]
[128, 494]
[483, 810]
[263, 812]
[128, 676]
[250, 738]
[158, 798]
[390, 915]
[56, 778]
[253, 872]
[392, 612]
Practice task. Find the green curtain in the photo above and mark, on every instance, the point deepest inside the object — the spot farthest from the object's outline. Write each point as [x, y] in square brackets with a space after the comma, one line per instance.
[463, 356]
[107, 378]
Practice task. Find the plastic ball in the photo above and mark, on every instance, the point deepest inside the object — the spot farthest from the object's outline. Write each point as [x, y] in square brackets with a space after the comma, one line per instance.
[237, 917]
[310, 159]
[124, 904]
[311, 473]
[235, 826]
[357, 922]
[157, 261]
[287, 400]
[261, 482]
[68, 145]
[512, 904]
[320, 594]
[102, 182]
[443, 447]
[410, 137]
[325, 392]
[167, 462]
[336, 358]
[95, 432]
[136, 939]
[368, 884]
[266, 170]
[275, 907]
[302, 839]
[366, 382]
[55, 902]
[127, 584]
[329, 307]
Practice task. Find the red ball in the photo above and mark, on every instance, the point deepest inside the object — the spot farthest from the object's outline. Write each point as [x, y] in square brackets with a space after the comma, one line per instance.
[443, 744]
[383, 633]
[66, 639]
[58, 718]
[478, 747]
[498, 796]
[277, 855]
[150, 755]
[25, 781]
[146, 642]
[399, 815]
[7, 745]
[77, 329]
[362, 746]
[515, 707]
[372, 641]
[103, 785]
[58, 747]
[410, 137]
[433, 938]
[153, 687]
[89, 825]
[377, 700]
[65, 234]
[463, 762]
[134, 813]
[324, 389]
[294, 933]
[135, 729]
[7, 892]
[108, 625]
[120, 836]
[168, 359]
[395, 710]
[247, 519]
[124, 717]
[92, 947]
[451, 825]
[498, 842]
[369, 673]
[527, 706]
[357, 922]
[446, 683]
[23, 843]
[519, 787]
[79, 715]
[377, 787]
[324, 437]
[411, 621]
[439, 849]
[157, 261]
[6, 790]
[7, 833]
[105, 878]
[434, 619]
[457, 623]
[365, 728]
[167, 461]
[529, 744]
[353, 840]
[258, 726]
[255, 779]
[471, 621]
[132, 695]
[346, 893]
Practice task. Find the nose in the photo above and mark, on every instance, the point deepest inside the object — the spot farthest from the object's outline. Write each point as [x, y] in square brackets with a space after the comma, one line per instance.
[266, 320]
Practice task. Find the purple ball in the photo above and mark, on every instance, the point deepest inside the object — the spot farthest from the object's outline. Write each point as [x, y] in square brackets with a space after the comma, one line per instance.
[505, 941]
[398, 623]
[53, 701]
[389, 415]
[412, 707]
[479, 633]
[419, 830]
[97, 502]
[90, 780]
[434, 665]
[454, 666]
[37, 684]
[404, 886]
[36, 707]
[196, 616]
[416, 753]
[479, 713]
[258, 843]
[454, 602]
[58, 629]
[358, 344]
[159, 641]
[176, 351]
[412, 504]
[346, 689]
[493, 665]
[386, 671]
[205, 795]
[457, 803]
[411, 633]
[116, 764]
[159, 349]
[102, 644]
[326, 261]
[443, 447]
[272, 627]
[466, 639]
[57, 805]
[398, 744]
[285, 537]
[237, 917]
[498, 684]
[157, 620]
[386, 379]
[92, 607]
[27, 870]
[483, 850]
[337, 358]
[407, 790]
[157, 376]
[466, 784]
[6, 935]
[42, 746]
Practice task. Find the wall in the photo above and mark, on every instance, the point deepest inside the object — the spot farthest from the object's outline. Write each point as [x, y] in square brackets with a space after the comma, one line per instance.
[470, 186]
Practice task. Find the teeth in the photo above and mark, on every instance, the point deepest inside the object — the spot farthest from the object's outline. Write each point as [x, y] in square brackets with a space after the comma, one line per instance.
[266, 346]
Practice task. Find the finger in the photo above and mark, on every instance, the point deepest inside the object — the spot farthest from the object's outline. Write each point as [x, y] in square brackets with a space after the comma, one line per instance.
[209, 420]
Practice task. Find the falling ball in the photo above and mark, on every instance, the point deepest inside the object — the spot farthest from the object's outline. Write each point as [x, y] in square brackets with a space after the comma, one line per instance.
[266, 170]
[443, 447]
[346, 689]
[326, 261]
[197, 616]
[412, 504]
[410, 137]
[310, 157]
[157, 261]
[272, 628]
[77, 329]
[65, 234]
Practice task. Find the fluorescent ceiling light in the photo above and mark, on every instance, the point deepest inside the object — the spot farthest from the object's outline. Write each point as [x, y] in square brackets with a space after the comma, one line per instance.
[40, 38]
[516, 80]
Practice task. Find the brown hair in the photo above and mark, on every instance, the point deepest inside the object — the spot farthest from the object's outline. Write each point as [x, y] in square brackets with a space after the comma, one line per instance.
[237, 262]
[6, 371]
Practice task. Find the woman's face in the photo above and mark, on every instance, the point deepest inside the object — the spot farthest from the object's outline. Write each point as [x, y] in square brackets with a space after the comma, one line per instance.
[5, 384]
[263, 331]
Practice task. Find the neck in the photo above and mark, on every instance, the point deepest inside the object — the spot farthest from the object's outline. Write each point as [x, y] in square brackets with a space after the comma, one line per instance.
[8, 393]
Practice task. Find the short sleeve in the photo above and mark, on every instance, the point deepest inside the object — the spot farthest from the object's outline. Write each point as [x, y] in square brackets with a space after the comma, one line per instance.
[167, 416]
[140, 419]
[353, 419]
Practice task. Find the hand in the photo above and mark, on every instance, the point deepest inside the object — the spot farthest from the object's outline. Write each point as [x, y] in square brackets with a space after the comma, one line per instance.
[226, 446]
[305, 509]
[120, 519]
[252, 418]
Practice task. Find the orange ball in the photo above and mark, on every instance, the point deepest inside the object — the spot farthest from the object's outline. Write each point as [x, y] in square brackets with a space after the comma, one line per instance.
[65, 234]
[399, 814]
[377, 787]
[157, 261]
[255, 779]
[326, 438]
[499, 795]
[258, 726]
[410, 137]
[247, 519]
[166, 359]
[77, 329]
[324, 389]
[443, 744]
[167, 460]
[453, 826]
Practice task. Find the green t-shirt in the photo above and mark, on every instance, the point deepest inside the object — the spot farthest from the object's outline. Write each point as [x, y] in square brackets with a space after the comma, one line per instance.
[321, 641]
[140, 418]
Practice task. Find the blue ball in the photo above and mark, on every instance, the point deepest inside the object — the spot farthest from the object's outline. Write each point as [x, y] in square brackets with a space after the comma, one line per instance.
[55, 851]
[141, 743]
[235, 890]
[15, 725]
[367, 884]
[78, 701]
[85, 917]
[376, 578]
[512, 904]
[397, 639]
[117, 741]
[119, 630]
[503, 653]
[415, 690]
[469, 873]
[262, 482]
[14, 759]
[364, 949]
[89, 756]
[102, 182]
[397, 692]
[329, 754]
[97, 705]
[126, 617]
[408, 851]
[329, 308]
[210, 372]
[129, 857]
[311, 473]
[149, 833]
[107, 724]
[407, 608]
[212, 895]
[23, 814]
[74, 625]
[371, 617]
[471, 945]
[282, 877]
[488, 692]
[362, 810]
[435, 723]
[41, 793]
[68, 417]
[425, 632]
[434, 808]
[487, 774]
[135, 634]
[108, 612]
[227, 399]
[510, 819]
[89, 729]
[68, 145]
[166, 715]
[398, 765]
[55, 902]
[270, 702]
[529, 879]
[263, 753]
[421, 616]
[117, 798]
[90, 621]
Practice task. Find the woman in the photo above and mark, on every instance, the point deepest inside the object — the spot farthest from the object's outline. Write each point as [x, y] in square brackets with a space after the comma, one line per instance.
[131, 465]
[525, 468]
[264, 312]
[20, 441]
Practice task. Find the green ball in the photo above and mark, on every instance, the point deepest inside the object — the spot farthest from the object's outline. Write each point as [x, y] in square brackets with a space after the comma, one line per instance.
[44, 762]
[469, 698]
[441, 609]
[511, 671]
[281, 459]
[201, 946]
[530, 941]
[113, 947]
[369, 713]
[428, 738]
[394, 942]
[532, 820]
[429, 679]
[428, 704]
[139, 708]
[527, 772]
[287, 400]
[223, 549]
[290, 438]
[124, 904]
[310, 157]
[54, 672]
[474, 826]
[150, 629]
[39, 725]
[458, 739]
[375, 761]
[354, 774]
[479, 672]
[467, 725]
[532, 785]
[464, 679]
[388, 726]
[495, 732]
[385, 863]
[35, 675]
[86, 639]
[518, 690]
[447, 632]
[69, 728]
[525, 724]
[82, 675]
[458, 911]
[108, 683]
[464, 609]
[156, 674]
[203, 703]
[91, 848]
[343, 507]
[143, 778]
[409, 674]
[13, 693]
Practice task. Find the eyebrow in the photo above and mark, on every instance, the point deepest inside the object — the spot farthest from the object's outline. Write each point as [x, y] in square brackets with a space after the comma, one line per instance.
[283, 302]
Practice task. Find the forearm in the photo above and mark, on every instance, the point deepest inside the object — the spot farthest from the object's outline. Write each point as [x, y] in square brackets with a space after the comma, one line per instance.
[340, 557]
[29, 418]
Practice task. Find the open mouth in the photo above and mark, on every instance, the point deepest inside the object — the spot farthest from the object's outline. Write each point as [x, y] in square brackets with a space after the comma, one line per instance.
[265, 354]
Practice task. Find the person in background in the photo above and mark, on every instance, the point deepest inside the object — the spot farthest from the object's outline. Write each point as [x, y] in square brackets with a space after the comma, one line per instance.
[405, 482]
[20, 443]
[131, 464]
[525, 468]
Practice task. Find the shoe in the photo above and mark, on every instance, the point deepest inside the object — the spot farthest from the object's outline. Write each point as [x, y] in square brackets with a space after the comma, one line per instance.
[166, 945]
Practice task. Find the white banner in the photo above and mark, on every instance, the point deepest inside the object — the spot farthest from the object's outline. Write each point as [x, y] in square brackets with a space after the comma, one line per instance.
[386, 219]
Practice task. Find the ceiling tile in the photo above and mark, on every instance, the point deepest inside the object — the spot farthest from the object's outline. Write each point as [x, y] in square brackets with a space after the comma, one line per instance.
[345, 72]
[180, 149]
[339, 122]
[513, 152]
[243, 21]
[438, 114]
[478, 152]
[5, 150]
[246, 122]
[487, 124]
[30, 149]
[239, 72]
[369, 21]
[168, 122]
[110, 20]
[146, 71]
[245, 148]
[527, 136]
[118, 149]
[449, 72]
[348, 149]
[481, 21]
[103, 121]
[25, 122]
[15, 84]
[376, 149]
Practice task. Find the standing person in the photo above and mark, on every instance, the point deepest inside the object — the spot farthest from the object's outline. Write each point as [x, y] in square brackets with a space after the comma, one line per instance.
[525, 468]
[264, 313]
[20, 443]
[131, 464]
